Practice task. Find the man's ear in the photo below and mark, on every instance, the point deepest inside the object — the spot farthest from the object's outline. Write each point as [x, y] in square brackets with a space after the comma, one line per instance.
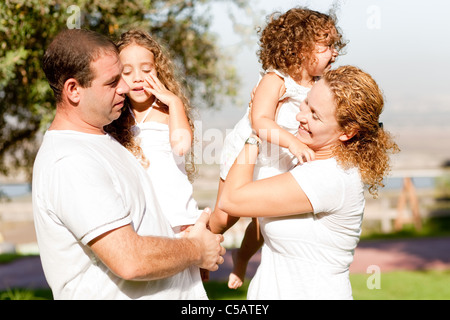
[348, 135]
[72, 90]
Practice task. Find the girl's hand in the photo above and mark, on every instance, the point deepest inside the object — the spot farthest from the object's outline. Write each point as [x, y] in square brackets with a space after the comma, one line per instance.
[158, 89]
[301, 151]
[180, 132]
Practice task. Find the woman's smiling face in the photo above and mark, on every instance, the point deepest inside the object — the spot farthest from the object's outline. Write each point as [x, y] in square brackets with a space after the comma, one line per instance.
[318, 128]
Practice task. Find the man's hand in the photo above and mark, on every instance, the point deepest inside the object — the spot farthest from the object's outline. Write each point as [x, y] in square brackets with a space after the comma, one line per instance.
[208, 244]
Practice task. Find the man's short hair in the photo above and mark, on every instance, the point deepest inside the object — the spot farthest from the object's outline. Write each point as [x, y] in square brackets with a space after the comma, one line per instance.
[70, 55]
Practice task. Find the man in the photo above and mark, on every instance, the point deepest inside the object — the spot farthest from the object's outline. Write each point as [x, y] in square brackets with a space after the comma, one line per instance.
[100, 230]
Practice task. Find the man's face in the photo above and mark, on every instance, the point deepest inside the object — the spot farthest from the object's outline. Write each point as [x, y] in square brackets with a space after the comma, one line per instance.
[101, 103]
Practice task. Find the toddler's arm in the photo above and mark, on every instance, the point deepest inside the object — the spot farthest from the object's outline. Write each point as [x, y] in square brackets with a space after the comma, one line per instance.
[301, 151]
[265, 102]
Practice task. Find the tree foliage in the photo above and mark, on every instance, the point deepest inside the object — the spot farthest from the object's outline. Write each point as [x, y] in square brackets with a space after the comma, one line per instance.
[28, 26]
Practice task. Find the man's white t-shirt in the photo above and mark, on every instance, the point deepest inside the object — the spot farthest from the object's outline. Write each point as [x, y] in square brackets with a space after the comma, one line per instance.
[83, 186]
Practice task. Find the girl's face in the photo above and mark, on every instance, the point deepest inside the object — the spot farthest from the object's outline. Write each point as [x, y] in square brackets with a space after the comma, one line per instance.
[318, 128]
[138, 62]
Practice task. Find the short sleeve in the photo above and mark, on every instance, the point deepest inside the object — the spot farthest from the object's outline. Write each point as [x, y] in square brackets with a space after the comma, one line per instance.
[322, 184]
[86, 199]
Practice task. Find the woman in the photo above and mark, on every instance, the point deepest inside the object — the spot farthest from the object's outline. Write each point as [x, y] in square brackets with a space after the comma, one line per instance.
[311, 216]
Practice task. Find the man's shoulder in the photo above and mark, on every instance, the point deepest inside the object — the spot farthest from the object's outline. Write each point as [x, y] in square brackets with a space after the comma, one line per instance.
[59, 144]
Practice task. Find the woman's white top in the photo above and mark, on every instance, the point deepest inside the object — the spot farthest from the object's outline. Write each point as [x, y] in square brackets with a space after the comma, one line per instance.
[272, 158]
[307, 256]
[168, 174]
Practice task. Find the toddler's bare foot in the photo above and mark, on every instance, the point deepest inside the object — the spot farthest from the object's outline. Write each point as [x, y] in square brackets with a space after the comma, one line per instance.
[234, 281]
[237, 276]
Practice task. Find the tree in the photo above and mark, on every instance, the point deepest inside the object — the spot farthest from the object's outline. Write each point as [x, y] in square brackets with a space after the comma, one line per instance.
[28, 26]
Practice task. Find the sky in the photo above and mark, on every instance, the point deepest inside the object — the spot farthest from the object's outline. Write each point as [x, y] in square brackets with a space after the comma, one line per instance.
[403, 44]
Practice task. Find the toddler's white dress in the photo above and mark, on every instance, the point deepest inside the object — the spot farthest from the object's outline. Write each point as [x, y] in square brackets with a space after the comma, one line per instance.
[272, 159]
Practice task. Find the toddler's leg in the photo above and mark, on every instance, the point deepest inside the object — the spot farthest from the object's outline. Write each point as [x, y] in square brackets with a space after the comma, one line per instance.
[220, 221]
[251, 243]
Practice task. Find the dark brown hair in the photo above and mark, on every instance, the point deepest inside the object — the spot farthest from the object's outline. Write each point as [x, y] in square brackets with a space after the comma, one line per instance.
[70, 54]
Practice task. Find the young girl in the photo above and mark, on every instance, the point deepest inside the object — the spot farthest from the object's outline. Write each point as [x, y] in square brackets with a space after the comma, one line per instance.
[297, 47]
[158, 114]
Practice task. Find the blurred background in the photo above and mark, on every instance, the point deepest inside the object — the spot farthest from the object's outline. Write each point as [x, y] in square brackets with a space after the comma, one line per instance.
[403, 44]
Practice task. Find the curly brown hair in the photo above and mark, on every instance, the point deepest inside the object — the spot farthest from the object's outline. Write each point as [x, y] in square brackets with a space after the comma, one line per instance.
[122, 128]
[289, 39]
[359, 103]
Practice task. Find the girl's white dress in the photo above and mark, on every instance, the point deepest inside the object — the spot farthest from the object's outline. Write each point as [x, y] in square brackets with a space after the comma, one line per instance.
[272, 159]
[168, 174]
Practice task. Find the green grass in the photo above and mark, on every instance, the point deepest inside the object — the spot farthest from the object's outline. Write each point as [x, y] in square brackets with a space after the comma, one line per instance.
[26, 294]
[9, 257]
[432, 227]
[403, 285]
[219, 291]
[398, 285]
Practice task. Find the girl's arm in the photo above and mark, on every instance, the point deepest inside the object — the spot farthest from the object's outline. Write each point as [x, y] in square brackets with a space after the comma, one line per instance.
[263, 114]
[280, 195]
[179, 129]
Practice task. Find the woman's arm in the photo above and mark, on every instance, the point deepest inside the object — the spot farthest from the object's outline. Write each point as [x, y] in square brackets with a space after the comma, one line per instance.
[280, 195]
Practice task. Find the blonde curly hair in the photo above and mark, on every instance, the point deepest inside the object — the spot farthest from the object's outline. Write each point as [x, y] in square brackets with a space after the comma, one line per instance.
[288, 41]
[359, 103]
[122, 128]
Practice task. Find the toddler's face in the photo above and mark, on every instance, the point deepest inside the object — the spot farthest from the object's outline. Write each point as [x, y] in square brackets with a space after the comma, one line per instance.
[323, 57]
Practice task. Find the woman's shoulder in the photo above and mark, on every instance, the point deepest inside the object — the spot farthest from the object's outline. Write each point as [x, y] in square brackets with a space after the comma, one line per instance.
[326, 168]
[327, 184]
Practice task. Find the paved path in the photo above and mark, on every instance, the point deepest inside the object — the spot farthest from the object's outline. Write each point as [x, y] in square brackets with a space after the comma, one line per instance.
[388, 255]
[412, 254]
[22, 273]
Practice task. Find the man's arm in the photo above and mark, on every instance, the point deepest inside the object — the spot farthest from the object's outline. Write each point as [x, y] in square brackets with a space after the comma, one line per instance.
[134, 257]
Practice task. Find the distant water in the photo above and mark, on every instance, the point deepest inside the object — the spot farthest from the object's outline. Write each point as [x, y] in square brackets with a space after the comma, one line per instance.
[419, 183]
[15, 189]
[21, 189]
